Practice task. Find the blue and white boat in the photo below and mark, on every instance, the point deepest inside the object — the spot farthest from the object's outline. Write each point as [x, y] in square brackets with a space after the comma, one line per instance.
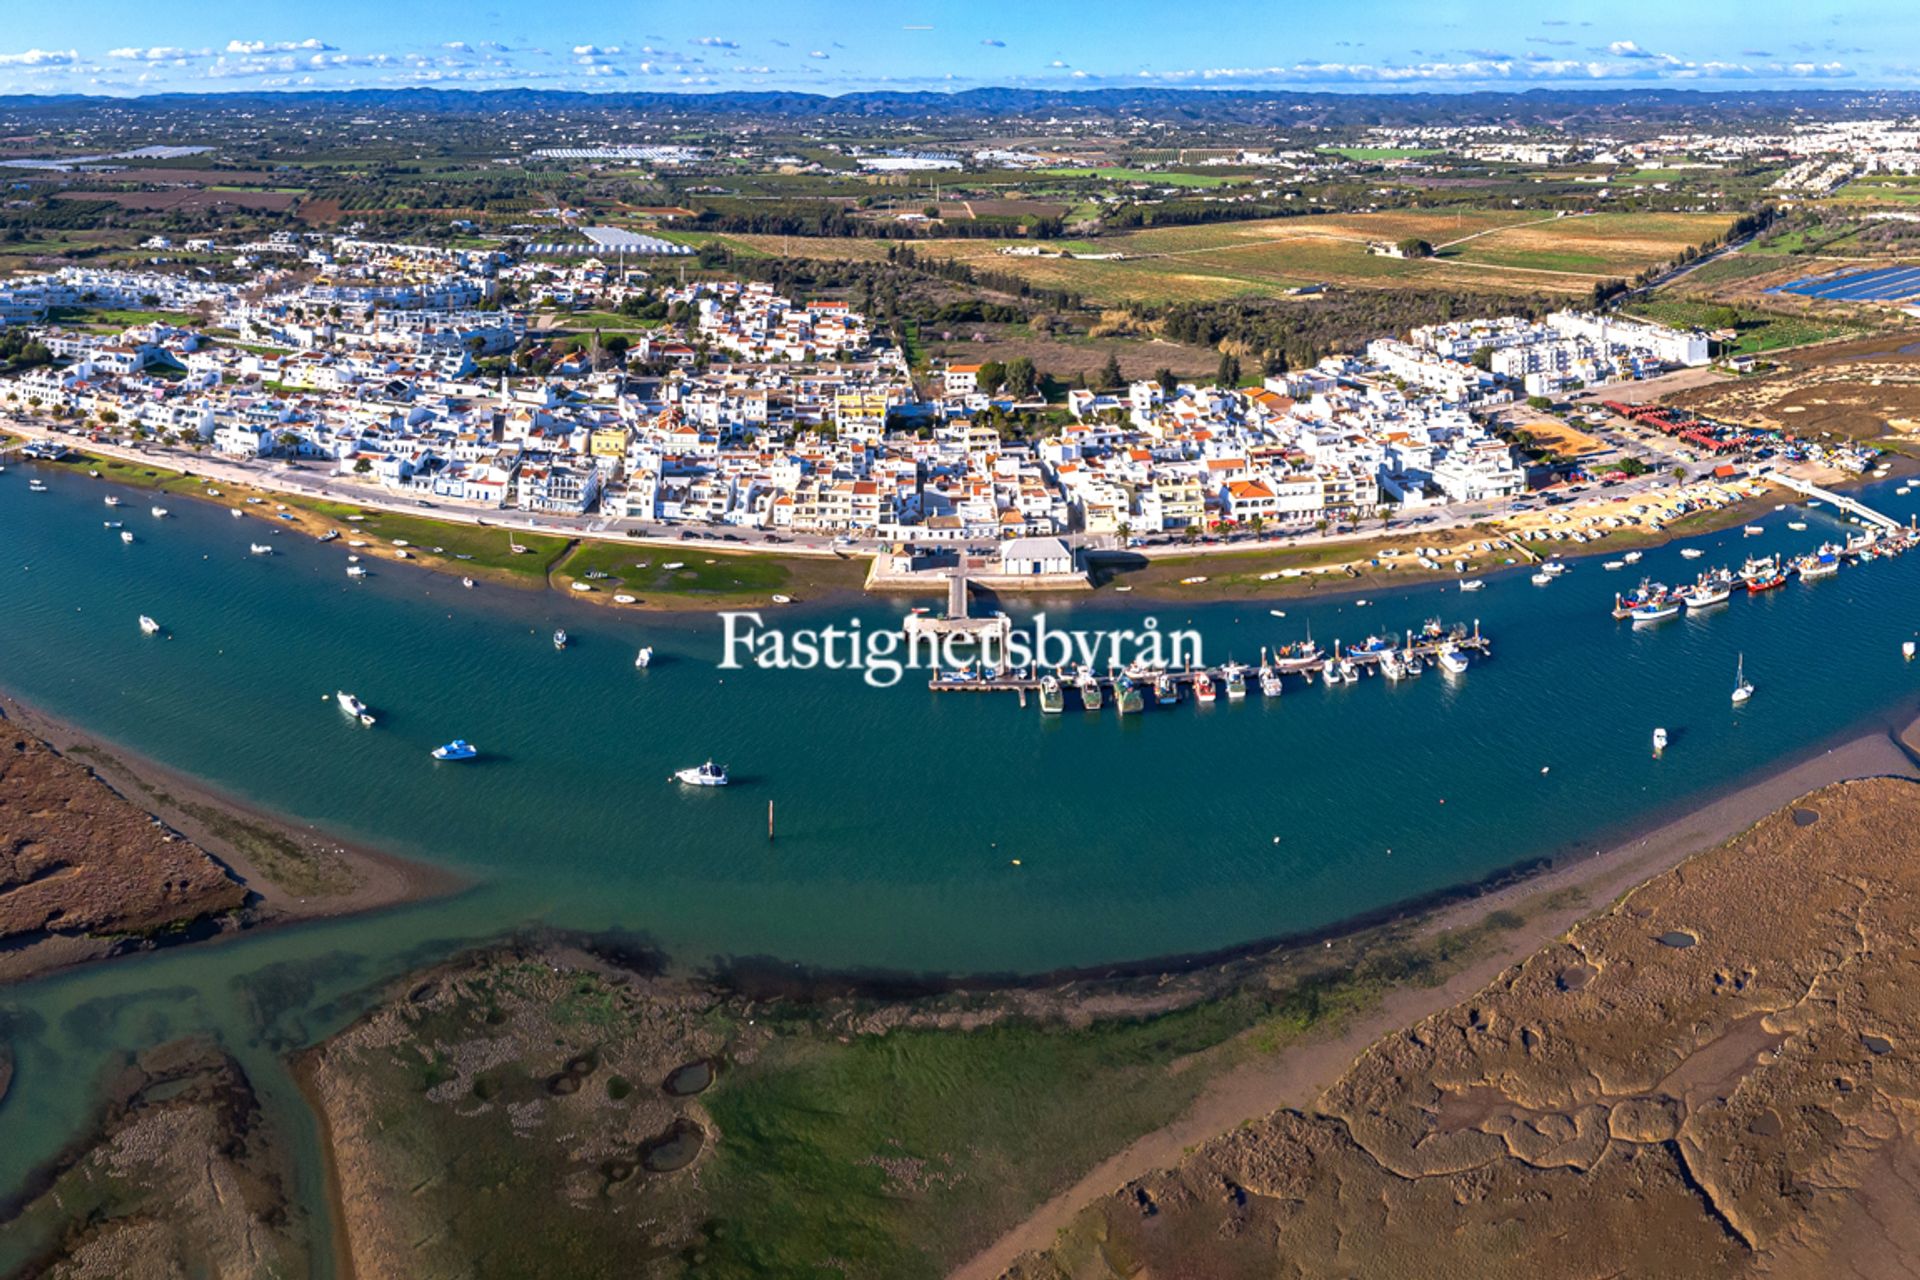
[706, 775]
[458, 749]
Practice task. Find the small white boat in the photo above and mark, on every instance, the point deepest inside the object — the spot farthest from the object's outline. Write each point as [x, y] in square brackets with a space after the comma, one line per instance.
[111, 524]
[126, 537]
[1123, 589]
[674, 564]
[1659, 741]
[1611, 565]
[1452, 661]
[467, 583]
[111, 501]
[626, 599]
[159, 513]
[644, 658]
[1278, 613]
[259, 549]
[1798, 526]
[354, 707]
[458, 749]
[213, 493]
[706, 775]
[1270, 575]
[1194, 581]
[237, 513]
[560, 639]
[1473, 584]
[149, 626]
[1753, 530]
[1632, 557]
[583, 586]
[1691, 553]
[356, 571]
[34, 486]
[1541, 579]
[1742, 688]
[783, 599]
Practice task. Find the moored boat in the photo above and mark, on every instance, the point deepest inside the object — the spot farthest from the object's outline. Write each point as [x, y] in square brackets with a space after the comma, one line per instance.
[560, 638]
[1234, 677]
[1089, 686]
[704, 775]
[354, 707]
[159, 513]
[644, 658]
[1452, 661]
[1657, 612]
[126, 536]
[1126, 695]
[1053, 699]
[259, 549]
[1203, 688]
[458, 749]
[1742, 687]
[149, 626]
[1166, 690]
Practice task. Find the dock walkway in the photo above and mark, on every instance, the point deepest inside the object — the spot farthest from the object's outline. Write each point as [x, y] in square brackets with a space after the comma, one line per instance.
[1852, 506]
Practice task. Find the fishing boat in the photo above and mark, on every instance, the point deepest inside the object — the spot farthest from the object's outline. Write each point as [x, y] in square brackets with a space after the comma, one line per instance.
[354, 707]
[149, 626]
[1390, 665]
[458, 749]
[1410, 663]
[259, 549]
[159, 513]
[1452, 661]
[1126, 695]
[705, 775]
[1166, 690]
[1472, 584]
[1659, 741]
[1823, 563]
[1658, 612]
[111, 501]
[1691, 553]
[1778, 578]
[560, 639]
[1234, 676]
[1203, 690]
[644, 658]
[1647, 593]
[1089, 686]
[1742, 687]
[1554, 567]
[1053, 699]
[1710, 591]
[1298, 656]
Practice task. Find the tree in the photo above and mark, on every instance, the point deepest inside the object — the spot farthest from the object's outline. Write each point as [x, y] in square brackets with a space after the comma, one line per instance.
[1483, 359]
[992, 374]
[362, 466]
[1110, 375]
[1680, 474]
[1023, 381]
[1414, 247]
[1168, 382]
[1228, 374]
[1539, 402]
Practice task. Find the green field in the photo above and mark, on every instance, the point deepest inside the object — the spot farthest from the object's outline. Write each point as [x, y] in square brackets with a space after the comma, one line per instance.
[705, 573]
[1168, 178]
[1759, 331]
[1381, 153]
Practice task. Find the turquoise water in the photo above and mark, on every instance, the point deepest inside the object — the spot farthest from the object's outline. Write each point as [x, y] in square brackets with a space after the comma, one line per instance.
[900, 811]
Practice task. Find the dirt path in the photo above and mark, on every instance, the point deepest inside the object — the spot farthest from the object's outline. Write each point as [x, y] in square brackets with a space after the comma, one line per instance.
[1298, 1075]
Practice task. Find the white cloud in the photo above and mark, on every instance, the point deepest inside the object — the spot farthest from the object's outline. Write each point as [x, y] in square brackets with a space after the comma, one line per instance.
[1627, 49]
[41, 58]
[309, 45]
[716, 42]
[159, 53]
[819, 54]
[595, 51]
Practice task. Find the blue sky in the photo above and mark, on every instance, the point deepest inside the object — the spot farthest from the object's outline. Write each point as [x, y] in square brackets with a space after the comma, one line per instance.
[136, 46]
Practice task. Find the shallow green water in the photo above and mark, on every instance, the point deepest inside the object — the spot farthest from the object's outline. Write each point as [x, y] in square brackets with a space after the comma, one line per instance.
[900, 811]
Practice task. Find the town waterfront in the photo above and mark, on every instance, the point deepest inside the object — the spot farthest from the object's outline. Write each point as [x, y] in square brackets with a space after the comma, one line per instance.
[1034, 844]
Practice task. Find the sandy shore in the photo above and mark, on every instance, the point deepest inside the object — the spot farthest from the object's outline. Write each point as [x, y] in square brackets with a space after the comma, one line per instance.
[1552, 903]
[351, 878]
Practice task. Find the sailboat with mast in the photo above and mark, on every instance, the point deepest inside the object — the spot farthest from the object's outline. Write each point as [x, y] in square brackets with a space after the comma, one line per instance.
[1742, 687]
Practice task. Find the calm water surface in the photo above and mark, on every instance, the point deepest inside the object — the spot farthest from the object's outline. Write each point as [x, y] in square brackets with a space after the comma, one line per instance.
[900, 811]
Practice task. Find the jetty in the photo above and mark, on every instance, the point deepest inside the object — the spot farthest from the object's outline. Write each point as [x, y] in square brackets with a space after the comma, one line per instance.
[1852, 506]
[957, 622]
[1428, 648]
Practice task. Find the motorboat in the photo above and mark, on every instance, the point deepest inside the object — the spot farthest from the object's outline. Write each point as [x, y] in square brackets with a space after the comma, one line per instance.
[1053, 699]
[112, 524]
[148, 626]
[1659, 741]
[1473, 584]
[1089, 686]
[1166, 690]
[1691, 553]
[354, 707]
[356, 571]
[159, 513]
[644, 658]
[237, 514]
[1542, 579]
[1708, 593]
[1234, 676]
[1203, 688]
[1127, 698]
[1656, 611]
[1611, 565]
[704, 775]
[259, 549]
[1452, 661]
[111, 501]
[1632, 557]
[458, 749]
[560, 639]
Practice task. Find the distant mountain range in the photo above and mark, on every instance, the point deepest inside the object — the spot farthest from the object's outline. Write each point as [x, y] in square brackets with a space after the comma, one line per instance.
[1532, 107]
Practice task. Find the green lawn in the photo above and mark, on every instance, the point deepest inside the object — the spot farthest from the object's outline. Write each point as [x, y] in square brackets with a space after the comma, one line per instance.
[118, 318]
[606, 320]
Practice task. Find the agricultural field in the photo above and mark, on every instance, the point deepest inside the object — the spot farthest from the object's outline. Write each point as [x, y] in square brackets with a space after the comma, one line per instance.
[1758, 330]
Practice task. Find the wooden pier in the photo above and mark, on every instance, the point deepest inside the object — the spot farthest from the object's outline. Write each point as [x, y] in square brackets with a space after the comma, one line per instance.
[1426, 648]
